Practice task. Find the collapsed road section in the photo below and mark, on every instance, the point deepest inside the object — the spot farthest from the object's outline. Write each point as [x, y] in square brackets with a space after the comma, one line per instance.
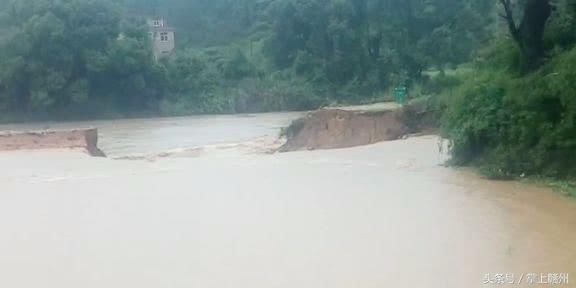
[344, 127]
[84, 139]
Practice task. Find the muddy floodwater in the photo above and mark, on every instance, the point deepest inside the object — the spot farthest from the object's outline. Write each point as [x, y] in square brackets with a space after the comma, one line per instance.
[150, 136]
[384, 215]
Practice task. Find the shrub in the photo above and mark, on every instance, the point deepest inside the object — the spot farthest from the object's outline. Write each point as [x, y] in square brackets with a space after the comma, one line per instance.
[516, 125]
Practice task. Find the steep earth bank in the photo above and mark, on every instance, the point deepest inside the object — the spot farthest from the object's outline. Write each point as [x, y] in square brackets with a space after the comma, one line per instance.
[85, 139]
[344, 127]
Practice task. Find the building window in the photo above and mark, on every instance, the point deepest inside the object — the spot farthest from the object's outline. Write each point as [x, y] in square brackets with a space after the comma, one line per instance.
[164, 36]
[156, 23]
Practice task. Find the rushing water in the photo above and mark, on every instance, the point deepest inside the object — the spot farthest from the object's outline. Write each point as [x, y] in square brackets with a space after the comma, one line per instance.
[385, 215]
[148, 136]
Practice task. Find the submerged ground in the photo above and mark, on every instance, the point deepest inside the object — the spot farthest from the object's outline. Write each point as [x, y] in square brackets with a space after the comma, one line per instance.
[384, 215]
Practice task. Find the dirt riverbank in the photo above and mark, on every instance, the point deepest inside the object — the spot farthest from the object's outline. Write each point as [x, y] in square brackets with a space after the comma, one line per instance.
[343, 127]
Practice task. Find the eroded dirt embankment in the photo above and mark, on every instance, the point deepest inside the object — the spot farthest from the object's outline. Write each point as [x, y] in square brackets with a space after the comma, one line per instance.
[355, 126]
[84, 139]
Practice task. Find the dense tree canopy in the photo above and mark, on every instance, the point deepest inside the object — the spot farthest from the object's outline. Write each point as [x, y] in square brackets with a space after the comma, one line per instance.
[95, 55]
[67, 53]
[377, 42]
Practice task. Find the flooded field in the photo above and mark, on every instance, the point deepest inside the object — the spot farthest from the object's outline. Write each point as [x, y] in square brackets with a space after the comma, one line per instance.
[384, 215]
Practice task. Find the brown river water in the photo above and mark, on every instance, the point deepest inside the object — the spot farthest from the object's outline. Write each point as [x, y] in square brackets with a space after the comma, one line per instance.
[384, 215]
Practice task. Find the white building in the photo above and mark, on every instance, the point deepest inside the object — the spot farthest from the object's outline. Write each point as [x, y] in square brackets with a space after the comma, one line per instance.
[163, 37]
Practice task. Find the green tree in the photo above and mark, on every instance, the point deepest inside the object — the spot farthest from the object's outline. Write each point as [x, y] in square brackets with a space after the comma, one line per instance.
[529, 33]
[375, 41]
[73, 52]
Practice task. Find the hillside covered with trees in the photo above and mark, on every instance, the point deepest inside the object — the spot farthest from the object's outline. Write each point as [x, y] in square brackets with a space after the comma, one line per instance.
[498, 73]
[62, 57]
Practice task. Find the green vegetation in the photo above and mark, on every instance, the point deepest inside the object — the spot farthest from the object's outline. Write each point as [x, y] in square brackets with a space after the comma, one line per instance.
[515, 113]
[92, 58]
[59, 57]
[502, 86]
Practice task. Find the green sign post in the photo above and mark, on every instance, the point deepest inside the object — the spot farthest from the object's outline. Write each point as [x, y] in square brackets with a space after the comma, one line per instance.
[400, 94]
